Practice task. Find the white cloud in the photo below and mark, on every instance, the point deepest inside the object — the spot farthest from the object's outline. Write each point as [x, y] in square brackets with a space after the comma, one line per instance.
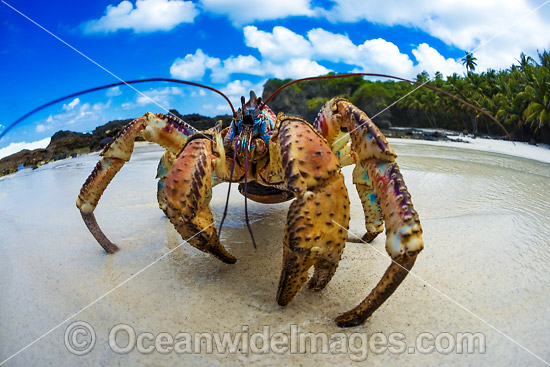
[295, 69]
[286, 54]
[193, 66]
[461, 23]
[83, 112]
[290, 55]
[113, 92]
[101, 106]
[145, 16]
[161, 96]
[383, 57]
[280, 44]
[465, 24]
[373, 55]
[432, 61]
[240, 64]
[16, 147]
[238, 88]
[245, 12]
[74, 113]
[71, 105]
[40, 128]
[501, 29]
[211, 110]
[198, 93]
[332, 47]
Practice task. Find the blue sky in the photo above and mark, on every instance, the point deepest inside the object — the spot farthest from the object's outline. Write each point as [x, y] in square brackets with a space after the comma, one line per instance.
[234, 45]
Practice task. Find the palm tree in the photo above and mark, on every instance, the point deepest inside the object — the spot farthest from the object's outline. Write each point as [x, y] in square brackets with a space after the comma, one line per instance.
[525, 62]
[469, 61]
[537, 94]
[423, 77]
[545, 59]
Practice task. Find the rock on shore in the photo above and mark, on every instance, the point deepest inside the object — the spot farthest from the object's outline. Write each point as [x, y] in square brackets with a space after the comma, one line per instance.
[66, 144]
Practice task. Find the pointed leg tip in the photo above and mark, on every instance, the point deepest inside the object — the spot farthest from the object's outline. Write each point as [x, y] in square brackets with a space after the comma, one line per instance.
[324, 272]
[346, 320]
[230, 260]
[224, 257]
[314, 283]
[314, 287]
[367, 237]
[283, 299]
[111, 248]
[95, 230]
[220, 253]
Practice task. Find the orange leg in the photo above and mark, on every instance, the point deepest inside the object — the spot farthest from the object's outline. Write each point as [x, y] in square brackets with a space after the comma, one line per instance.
[384, 196]
[311, 238]
[187, 190]
[167, 131]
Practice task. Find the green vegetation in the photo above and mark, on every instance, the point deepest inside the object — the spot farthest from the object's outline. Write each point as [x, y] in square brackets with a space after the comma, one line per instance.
[519, 97]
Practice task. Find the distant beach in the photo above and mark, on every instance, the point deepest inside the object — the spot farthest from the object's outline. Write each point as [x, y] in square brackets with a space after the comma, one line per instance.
[540, 152]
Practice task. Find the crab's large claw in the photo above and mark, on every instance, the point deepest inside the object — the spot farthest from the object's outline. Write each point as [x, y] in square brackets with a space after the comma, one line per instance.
[383, 195]
[187, 190]
[165, 130]
[311, 172]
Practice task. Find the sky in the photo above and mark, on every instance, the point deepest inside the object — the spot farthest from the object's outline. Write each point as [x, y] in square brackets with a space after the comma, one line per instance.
[50, 49]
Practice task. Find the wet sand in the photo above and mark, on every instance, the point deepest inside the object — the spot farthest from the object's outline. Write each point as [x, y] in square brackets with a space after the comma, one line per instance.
[485, 217]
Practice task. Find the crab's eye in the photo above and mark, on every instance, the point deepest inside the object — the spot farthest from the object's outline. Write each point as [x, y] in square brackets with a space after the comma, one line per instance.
[248, 120]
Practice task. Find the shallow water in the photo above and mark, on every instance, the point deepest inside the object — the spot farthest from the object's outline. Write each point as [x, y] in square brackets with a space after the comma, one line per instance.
[484, 267]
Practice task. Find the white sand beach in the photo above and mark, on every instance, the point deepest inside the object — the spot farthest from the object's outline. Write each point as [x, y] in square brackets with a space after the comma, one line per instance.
[484, 207]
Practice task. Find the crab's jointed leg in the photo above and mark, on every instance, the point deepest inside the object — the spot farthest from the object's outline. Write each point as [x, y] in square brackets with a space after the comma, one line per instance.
[164, 166]
[383, 195]
[311, 172]
[374, 221]
[331, 125]
[166, 130]
[187, 190]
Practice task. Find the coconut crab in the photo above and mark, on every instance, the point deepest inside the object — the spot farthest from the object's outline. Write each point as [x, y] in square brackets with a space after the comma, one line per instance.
[276, 158]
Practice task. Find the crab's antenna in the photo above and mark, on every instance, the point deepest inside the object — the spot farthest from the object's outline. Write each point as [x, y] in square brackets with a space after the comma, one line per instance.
[39, 108]
[229, 188]
[246, 192]
[482, 111]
